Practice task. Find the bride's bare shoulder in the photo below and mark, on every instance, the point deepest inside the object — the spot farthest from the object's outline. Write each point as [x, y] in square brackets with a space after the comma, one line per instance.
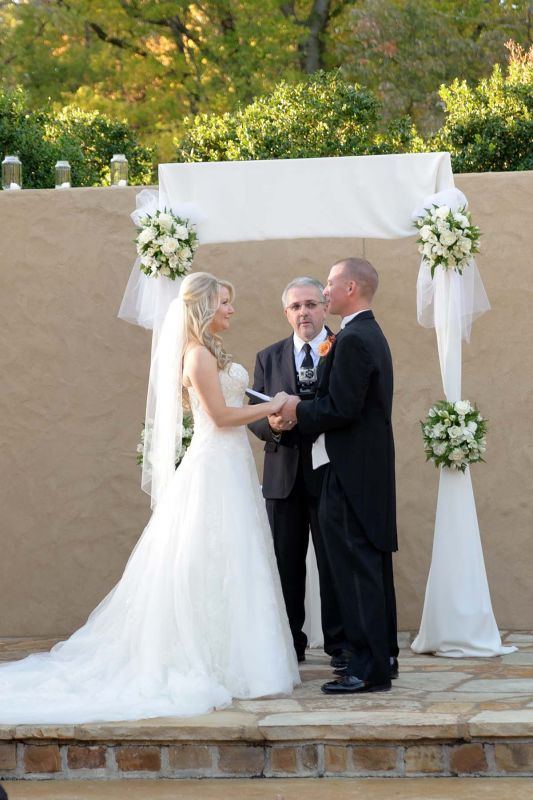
[197, 358]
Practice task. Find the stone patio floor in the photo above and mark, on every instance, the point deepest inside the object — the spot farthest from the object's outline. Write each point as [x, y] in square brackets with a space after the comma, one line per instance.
[469, 716]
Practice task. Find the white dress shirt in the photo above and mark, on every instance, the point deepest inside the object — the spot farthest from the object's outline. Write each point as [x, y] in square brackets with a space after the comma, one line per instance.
[299, 352]
[346, 320]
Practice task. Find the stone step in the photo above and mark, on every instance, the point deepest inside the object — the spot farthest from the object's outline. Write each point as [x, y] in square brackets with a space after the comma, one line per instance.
[443, 717]
[278, 789]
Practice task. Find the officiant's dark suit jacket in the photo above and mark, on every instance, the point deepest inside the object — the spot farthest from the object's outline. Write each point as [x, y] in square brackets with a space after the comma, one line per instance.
[275, 371]
[353, 407]
[291, 489]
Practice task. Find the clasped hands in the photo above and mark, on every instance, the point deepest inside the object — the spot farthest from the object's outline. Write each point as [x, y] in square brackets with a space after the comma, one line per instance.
[284, 416]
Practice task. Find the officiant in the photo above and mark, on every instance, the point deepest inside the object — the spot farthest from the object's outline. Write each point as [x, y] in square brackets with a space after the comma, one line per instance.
[290, 485]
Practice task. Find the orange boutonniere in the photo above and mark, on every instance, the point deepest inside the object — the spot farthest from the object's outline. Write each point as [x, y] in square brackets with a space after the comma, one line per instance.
[324, 348]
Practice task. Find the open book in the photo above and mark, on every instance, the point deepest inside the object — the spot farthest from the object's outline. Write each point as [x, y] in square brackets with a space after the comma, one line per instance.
[257, 397]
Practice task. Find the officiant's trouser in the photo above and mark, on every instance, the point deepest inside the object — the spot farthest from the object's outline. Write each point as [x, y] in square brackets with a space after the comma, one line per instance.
[290, 520]
[364, 584]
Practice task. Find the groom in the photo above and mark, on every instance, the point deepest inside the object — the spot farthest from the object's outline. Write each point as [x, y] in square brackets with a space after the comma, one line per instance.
[357, 509]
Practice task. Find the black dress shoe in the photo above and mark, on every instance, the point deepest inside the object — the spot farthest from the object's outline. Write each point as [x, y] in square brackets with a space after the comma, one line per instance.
[340, 658]
[350, 684]
[394, 671]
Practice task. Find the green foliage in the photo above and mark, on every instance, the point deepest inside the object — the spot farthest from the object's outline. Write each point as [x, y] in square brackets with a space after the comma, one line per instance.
[403, 50]
[322, 116]
[489, 127]
[154, 62]
[86, 139]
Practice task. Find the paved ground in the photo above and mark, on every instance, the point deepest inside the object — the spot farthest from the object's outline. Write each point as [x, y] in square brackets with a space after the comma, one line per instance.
[274, 789]
[484, 694]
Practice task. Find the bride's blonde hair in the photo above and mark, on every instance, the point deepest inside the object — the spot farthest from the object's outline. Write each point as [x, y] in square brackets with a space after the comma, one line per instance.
[200, 293]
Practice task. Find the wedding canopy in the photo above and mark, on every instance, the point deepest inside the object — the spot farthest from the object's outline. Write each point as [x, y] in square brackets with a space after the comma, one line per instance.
[355, 197]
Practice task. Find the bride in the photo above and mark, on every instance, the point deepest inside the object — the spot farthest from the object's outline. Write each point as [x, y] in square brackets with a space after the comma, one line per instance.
[198, 616]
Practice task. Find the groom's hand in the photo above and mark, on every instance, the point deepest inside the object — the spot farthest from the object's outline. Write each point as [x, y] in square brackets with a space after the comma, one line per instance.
[288, 412]
[276, 423]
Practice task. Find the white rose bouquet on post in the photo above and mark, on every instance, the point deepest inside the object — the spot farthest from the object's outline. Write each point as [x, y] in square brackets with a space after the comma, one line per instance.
[188, 431]
[454, 434]
[166, 244]
[447, 238]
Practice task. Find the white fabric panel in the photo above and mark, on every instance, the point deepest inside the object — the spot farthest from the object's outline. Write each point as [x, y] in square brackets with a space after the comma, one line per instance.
[457, 619]
[358, 196]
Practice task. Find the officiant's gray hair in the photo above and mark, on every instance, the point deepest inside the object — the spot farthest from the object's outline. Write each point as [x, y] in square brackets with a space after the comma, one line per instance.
[303, 281]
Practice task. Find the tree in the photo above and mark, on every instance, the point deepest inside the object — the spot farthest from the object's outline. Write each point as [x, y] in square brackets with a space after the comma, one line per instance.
[154, 62]
[86, 139]
[404, 50]
[322, 116]
[489, 127]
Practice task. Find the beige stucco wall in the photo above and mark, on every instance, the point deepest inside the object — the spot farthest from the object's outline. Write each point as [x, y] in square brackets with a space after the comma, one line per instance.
[73, 389]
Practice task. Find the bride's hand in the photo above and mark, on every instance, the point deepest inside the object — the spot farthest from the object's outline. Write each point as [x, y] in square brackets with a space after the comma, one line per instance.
[277, 402]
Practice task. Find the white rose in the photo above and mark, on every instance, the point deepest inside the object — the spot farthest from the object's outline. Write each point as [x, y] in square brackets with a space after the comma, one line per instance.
[425, 232]
[437, 250]
[146, 235]
[462, 220]
[454, 432]
[439, 449]
[442, 211]
[181, 232]
[173, 262]
[186, 253]
[456, 455]
[153, 267]
[448, 238]
[466, 245]
[462, 407]
[437, 431]
[472, 426]
[169, 246]
[165, 271]
[165, 221]
[426, 249]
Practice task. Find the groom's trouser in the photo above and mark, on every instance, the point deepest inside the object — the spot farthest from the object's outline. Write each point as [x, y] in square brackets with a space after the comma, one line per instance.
[290, 520]
[364, 584]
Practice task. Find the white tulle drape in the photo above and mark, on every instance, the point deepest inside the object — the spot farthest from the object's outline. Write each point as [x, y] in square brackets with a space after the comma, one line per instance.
[146, 298]
[457, 619]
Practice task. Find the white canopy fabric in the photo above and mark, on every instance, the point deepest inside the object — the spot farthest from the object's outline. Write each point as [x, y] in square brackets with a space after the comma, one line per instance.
[353, 197]
[306, 198]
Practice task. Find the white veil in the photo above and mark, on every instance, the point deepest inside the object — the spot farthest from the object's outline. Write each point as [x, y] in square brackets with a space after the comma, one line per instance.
[164, 406]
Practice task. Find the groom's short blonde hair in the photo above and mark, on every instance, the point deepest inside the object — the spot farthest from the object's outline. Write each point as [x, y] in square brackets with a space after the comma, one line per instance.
[363, 273]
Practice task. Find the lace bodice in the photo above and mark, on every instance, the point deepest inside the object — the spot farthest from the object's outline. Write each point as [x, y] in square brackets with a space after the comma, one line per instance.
[233, 380]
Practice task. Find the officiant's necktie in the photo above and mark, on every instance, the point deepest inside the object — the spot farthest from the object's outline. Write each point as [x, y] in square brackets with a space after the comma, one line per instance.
[308, 358]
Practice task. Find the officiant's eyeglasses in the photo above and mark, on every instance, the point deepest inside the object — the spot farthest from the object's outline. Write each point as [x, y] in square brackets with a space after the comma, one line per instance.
[310, 305]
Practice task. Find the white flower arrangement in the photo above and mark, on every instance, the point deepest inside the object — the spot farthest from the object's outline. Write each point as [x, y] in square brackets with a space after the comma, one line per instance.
[447, 238]
[166, 244]
[188, 430]
[454, 434]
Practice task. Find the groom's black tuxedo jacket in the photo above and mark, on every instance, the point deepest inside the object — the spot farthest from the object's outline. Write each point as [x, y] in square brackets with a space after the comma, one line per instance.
[275, 371]
[353, 407]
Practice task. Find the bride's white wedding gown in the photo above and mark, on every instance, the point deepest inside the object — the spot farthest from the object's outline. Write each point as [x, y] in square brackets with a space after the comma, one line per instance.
[198, 616]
